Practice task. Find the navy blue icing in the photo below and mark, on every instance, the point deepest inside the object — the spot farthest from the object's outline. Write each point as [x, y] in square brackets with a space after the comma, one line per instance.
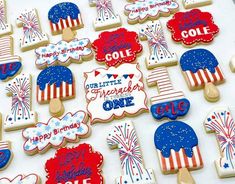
[171, 109]
[8, 70]
[175, 135]
[196, 59]
[5, 156]
[54, 75]
[62, 11]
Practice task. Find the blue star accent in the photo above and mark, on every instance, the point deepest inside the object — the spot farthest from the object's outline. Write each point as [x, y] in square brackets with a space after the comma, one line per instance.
[208, 119]
[57, 123]
[48, 128]
[81, 43]
[27, 147]
[226, 166]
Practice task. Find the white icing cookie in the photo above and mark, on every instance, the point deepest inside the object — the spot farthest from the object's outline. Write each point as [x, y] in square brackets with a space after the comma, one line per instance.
[5, 28]
[21, 115]
[115, 92]
[56, 132]
[33, 36]
[195, 3]
[106, 17]
[20, 179]
[123, 136]
[64, 53]
[160, 55]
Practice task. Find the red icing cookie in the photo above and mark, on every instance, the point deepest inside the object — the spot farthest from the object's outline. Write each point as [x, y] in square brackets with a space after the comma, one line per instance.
[75, 165]
[192, 27]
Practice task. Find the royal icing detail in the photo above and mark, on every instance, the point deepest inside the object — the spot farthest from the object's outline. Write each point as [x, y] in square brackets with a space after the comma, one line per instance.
[200, 67]
[192, 27]
[142, 10]
[20, 179]
[21, 115]
[123, 136]
[160, 55]
[5, 154]
[196, 3]
[32, 33]
[55, 82]
[5, 28]
[9, 65]
[64, 15]
[117, 47]
[177, 146]
[221, 122]
[63, 52]
[168, 103]
[56, 132]
[106, 17]
[74, 166]
[115, 92]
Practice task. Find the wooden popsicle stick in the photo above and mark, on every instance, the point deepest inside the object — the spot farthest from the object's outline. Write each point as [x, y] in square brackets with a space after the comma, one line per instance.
[184, 177]
[56, 107]
[211, 92]
[68, 34]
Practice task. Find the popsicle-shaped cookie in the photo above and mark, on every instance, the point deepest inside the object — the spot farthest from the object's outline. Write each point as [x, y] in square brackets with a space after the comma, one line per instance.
[195, 3]
[202, 70]
[178, 151]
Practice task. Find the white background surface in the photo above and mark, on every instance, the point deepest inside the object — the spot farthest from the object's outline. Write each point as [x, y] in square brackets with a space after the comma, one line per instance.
[223, 47]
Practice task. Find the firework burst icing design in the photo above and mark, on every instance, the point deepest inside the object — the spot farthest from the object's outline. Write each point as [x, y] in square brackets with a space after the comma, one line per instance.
[123, 136]
[21, 115]
[32, 33]
[222, 123]
[160, 54]
[5, 28]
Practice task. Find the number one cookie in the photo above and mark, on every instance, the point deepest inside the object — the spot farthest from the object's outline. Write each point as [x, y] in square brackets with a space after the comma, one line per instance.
[33, 36]
[21, 115]
[106, 18]
[195, 3]
[5, 28]
[160, 55]
[123, 136]
[221, 122]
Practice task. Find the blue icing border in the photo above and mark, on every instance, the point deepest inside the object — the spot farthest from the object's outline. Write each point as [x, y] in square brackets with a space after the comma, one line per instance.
[5, 156]
[10, 69]
[54, 75]
[62, 11]
[175, 135]
[196, 59]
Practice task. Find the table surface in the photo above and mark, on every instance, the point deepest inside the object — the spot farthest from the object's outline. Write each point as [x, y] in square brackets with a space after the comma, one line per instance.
[223, 48]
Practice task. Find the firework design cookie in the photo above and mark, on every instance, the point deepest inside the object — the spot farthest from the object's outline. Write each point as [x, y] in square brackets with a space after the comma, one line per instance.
[115, 93]
[140, 11]
[5, 27]
[221, 122]
[33, 36]
[202, 70]
[64, 15]
[192, 27]
[106, 17]
[169, 103]
[195, 3]
[21, 115]
[123, 136]
[160, 55]
[10, 65]
[75, 165]
[21, 179]
[56, 132]
[117, 47]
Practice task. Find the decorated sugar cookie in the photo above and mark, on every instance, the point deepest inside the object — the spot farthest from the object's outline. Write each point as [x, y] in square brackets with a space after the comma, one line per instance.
[192, 27]
[56, 132]
[33, 36]
[123, 136]
[21, 179]
[115, 93]
[75, 165]
[221, 122]
[64, 15]
[202, 70]
[21, 115]
[177, 147]
[195, 3]
[169, 103]
[117, 47]
[140, 11]
[5, 27]
[54, 84]
[10, 65]
[160, 55]
[106, 17]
